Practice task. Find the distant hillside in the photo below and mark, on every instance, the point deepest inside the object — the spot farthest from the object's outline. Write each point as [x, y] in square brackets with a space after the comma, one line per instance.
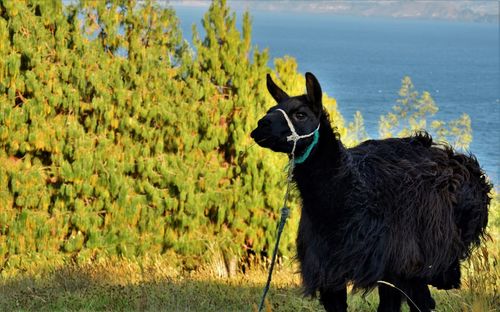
[477, 11]
[473, 11]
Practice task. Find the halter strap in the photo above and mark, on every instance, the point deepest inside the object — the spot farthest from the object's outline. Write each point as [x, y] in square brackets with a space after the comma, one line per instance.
[295, 137]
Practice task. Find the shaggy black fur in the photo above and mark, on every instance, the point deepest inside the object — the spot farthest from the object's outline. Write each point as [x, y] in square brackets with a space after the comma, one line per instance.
[405, 210]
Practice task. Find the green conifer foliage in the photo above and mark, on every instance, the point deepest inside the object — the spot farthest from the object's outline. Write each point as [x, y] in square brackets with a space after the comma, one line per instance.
[85, 98]
[237, 189]
[115, 139]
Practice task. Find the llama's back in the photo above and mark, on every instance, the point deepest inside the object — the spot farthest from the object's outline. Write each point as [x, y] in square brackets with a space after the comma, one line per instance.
[433, 201]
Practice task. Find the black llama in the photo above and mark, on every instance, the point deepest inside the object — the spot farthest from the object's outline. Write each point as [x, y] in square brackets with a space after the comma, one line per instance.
[404, 211]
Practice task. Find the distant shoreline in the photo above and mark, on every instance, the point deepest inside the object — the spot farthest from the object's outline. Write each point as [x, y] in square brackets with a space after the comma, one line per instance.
[460, 11]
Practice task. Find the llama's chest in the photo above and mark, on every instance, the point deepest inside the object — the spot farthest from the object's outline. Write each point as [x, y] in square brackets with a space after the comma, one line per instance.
[331, 250]
[315, 252]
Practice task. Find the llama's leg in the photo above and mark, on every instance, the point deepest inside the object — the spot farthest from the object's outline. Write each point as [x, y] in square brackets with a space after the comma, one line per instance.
[390, 299]
[421, 297]
[334, 301]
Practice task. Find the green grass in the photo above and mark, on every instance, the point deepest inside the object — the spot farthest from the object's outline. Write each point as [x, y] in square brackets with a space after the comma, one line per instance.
[127, 286]
[151, 285]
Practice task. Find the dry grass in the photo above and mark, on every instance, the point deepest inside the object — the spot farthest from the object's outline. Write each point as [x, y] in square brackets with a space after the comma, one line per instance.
[124, 285]
[152, 285]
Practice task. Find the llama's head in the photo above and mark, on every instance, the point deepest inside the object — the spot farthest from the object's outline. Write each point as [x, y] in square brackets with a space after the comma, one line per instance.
[300, 114]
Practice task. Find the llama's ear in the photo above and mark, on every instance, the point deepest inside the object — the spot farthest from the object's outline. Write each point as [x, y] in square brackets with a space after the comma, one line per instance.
[314, 93]
[275, 91]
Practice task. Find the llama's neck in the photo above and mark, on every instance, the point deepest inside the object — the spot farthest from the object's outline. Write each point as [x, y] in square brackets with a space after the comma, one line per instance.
[324, 177]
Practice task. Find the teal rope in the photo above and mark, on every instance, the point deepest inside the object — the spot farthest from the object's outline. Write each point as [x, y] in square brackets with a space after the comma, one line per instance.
[308, 151]
[285, 211]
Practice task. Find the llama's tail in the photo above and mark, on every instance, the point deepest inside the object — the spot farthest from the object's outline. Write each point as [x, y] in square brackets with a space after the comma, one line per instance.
[473, 199]
[468, 189]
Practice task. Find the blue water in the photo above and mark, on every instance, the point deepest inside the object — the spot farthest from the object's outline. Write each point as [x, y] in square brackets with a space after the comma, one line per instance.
[360, 61]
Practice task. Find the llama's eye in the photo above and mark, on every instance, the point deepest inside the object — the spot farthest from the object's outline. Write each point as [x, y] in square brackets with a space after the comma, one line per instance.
[300, 116]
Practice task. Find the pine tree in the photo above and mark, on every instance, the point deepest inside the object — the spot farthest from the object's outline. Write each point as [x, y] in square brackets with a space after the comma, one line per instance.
[412, 113]
[82, 116]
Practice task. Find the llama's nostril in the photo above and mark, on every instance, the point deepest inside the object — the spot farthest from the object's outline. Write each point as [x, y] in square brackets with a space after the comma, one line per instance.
[253, 134]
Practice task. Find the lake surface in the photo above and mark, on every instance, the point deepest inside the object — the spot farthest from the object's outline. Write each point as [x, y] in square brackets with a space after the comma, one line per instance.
[360, 62]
